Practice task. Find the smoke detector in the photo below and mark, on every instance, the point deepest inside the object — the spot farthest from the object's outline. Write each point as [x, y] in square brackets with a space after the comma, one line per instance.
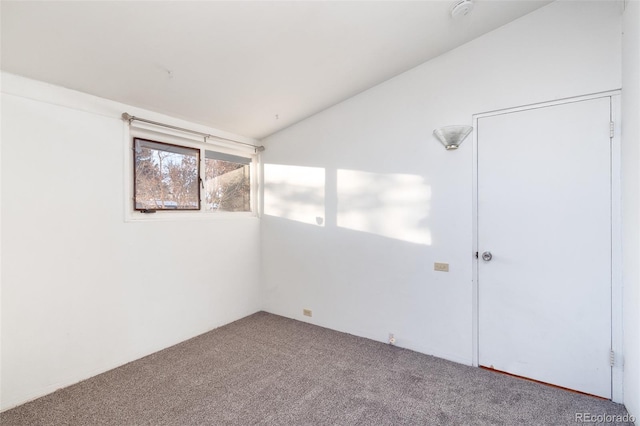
[461, 8]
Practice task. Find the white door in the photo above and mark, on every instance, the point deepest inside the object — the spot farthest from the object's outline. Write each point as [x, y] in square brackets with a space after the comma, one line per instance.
[544, 214]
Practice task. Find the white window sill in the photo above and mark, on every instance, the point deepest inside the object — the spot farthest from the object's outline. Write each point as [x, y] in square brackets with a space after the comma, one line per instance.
[174, 216]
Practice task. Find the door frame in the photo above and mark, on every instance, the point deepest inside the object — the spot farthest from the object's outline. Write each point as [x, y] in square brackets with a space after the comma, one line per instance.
[616, 231]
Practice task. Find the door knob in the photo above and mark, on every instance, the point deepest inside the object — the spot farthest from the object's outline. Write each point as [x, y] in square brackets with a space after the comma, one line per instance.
[487, 256]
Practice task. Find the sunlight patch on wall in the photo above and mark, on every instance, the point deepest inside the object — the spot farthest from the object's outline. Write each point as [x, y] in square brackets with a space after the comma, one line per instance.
[295, 193]
[390, 205]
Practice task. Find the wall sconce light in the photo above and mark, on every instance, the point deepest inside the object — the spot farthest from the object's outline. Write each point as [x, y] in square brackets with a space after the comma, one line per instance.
[452, 136]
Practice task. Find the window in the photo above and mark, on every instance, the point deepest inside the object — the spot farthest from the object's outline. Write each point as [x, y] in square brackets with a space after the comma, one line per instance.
[169, 177]
[227, 182]
[166, 176]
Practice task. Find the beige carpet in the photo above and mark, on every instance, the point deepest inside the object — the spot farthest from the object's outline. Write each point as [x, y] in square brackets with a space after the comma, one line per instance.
[269, 370]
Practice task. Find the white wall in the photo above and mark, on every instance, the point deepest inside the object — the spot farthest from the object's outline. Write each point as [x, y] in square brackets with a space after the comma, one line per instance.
[392, 200]
[631, 202]
[83, 291]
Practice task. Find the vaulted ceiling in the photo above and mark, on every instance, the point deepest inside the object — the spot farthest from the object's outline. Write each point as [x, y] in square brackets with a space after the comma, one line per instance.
[251, 68]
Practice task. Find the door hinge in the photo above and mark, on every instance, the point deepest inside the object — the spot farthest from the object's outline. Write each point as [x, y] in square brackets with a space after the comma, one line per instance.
[611, 129]
[476, 255]
[612, 357]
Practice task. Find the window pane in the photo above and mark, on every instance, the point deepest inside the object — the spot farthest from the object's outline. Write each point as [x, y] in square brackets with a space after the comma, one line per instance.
[227, 183]
[166, 176]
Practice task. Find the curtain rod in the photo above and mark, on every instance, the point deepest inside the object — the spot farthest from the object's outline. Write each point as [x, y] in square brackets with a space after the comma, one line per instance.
[130, 118]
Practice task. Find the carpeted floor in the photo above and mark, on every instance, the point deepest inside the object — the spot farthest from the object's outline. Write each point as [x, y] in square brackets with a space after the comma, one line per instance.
[269, 370]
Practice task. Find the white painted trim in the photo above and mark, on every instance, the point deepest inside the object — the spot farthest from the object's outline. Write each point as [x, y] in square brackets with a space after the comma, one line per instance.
[617, 372]
[257, 177]
[616, 230]
[127, 178]
[475, 357]
[546, 104]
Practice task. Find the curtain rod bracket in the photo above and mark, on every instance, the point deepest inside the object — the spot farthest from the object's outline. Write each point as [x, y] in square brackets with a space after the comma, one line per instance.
[127, 117]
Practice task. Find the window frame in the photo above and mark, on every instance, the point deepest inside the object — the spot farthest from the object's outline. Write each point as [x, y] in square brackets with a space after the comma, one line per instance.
[234, 159]
[180, 139]
[198, 153]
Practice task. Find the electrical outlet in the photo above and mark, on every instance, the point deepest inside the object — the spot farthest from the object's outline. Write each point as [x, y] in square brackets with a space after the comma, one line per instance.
[442, 267]
[392, 339]
[307, 312]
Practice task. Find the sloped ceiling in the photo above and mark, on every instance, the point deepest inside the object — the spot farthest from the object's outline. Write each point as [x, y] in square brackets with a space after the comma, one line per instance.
[251, 68]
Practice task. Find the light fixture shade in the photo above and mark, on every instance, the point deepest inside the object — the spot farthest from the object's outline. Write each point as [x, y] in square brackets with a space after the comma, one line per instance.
[452, 136]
